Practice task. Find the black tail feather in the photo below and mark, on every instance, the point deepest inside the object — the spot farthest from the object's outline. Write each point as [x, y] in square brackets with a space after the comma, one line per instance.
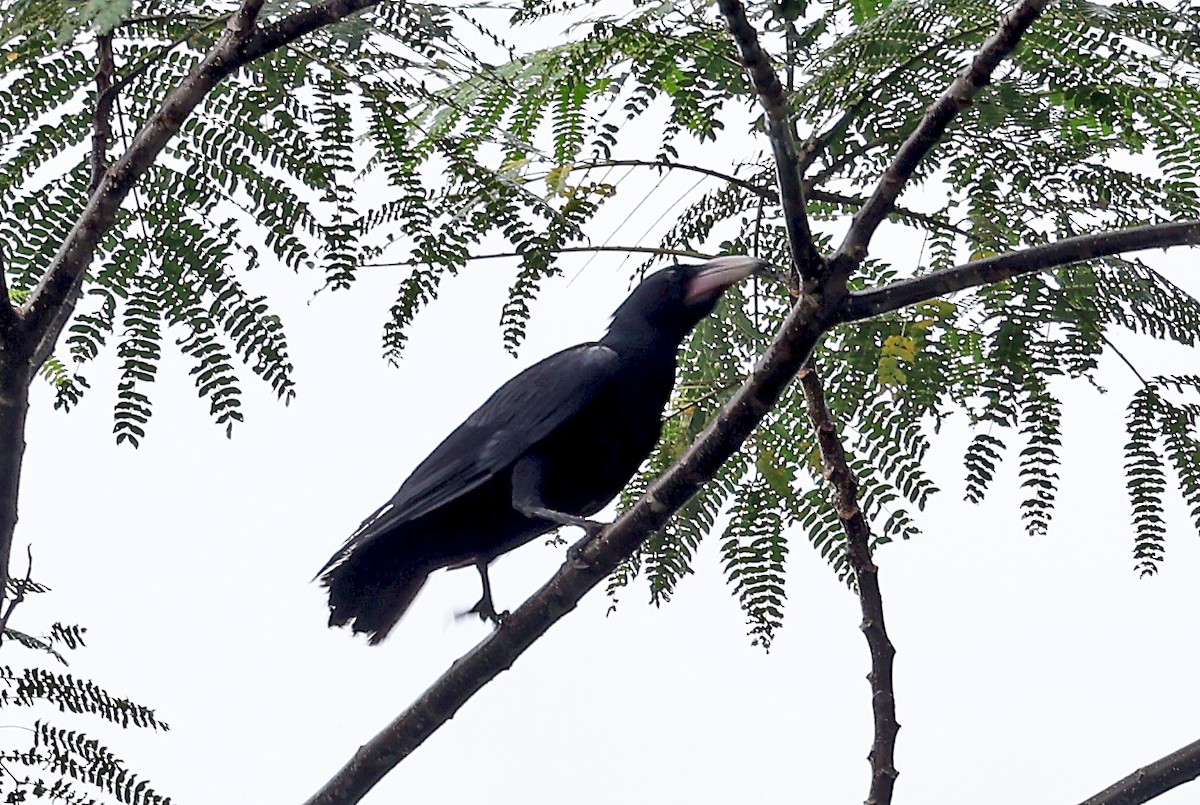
[369, 593]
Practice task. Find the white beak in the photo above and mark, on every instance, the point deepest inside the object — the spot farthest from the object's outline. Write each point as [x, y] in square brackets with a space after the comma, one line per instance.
[718, 274]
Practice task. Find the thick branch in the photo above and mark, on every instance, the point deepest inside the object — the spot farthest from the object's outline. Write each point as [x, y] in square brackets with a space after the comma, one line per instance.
[242, 21]
[51, 303]
[597, 559]
[807, 260]
[957, 97]
[866, 577]
[1179, 767]
[865, 304]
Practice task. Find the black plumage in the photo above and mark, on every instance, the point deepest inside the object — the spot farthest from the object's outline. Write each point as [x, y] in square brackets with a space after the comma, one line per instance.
[551, 447]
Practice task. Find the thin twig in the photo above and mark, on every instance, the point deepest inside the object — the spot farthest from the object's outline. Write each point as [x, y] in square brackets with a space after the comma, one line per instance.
[807, 261]
[866, 578]
[769, 193]
[1179, 767]
[928, 132]
[745, 184]
[569, 250]
[19, 596]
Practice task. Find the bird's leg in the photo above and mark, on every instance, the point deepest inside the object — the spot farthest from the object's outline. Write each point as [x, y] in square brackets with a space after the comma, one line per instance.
[484, 607]
[527, 499]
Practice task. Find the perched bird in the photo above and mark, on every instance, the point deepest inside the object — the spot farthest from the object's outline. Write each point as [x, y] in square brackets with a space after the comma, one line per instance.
[550, 448]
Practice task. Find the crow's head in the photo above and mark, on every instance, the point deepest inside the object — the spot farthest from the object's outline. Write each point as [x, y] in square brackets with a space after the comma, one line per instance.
[669, 303]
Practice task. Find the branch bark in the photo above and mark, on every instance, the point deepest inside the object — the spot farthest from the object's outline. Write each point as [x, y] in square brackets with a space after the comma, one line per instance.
[1179, 767]
[807, 260]
[929, 131]
[866, 578]
[102, 113]
[864, 304]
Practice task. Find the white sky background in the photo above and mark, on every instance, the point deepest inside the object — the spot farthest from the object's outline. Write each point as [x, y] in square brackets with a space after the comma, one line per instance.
[1028, 670]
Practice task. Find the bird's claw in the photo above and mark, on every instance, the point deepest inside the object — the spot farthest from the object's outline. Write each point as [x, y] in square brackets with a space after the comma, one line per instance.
[575, 552]
[486, 612]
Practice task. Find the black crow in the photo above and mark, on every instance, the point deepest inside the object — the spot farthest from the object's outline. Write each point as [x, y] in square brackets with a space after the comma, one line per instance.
[550, 448]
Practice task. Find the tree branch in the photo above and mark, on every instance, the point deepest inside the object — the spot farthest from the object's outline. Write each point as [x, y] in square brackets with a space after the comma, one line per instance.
[769, 193]
[903, 212]
[241, 23]
[957, 97]
[594, 562]
[102, 113]
[807, 261]
[1179, 767]
[18, 595]
[745, 184]
[52, 301]
[864, 304]
[570, 250]
[8, 313]
[866, 577]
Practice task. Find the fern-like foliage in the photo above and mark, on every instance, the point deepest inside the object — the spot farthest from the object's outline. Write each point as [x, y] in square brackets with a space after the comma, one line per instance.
[68, 766]
[59, 764]
[264, 167]
[1164, 436]
[1091, 125]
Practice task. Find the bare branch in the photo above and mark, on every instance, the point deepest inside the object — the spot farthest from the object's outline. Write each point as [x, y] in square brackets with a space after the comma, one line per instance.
[957, 97]
[866, 577]
[102, 113]
[769, 193]
[931, 221]
[52, 302]
[745, 184]
[595, 561]
[864, 304]
[807, 260]
[241, 23]
[1179, 767]
[570, 250]
[19, 595]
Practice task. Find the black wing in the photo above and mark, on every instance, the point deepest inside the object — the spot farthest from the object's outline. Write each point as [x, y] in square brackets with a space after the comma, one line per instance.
[520, 414]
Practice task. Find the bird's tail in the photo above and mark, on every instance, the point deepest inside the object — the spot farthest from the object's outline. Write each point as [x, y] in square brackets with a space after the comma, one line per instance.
[370, 593]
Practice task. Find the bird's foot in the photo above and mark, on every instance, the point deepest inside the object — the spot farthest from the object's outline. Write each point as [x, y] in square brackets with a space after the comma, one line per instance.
[575, 552]
[486, 612]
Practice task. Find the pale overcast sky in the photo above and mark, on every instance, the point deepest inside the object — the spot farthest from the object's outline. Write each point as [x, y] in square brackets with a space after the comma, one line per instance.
[1028, 670]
